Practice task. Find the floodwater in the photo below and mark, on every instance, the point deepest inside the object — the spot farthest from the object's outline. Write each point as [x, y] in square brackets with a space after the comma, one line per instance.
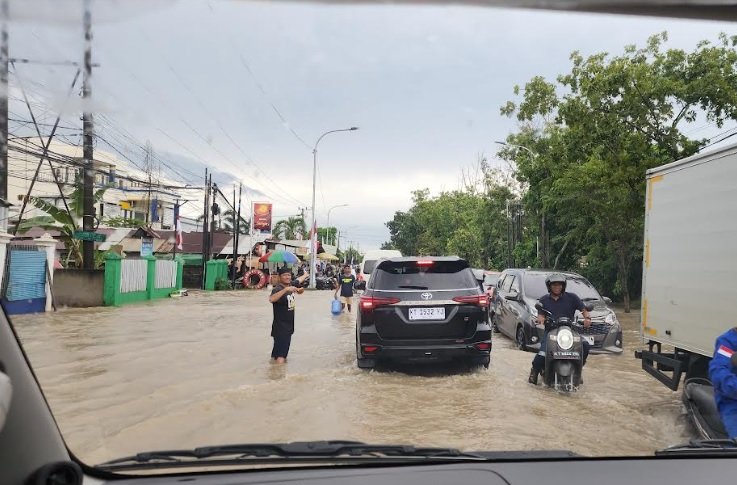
[195, 371]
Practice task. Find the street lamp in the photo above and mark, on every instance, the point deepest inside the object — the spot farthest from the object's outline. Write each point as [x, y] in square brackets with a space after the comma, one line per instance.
[517, 146]
[542, 216]
[314, 182]
[334, 207]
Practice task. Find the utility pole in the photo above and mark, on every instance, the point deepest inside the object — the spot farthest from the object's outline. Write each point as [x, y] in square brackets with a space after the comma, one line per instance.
[148, 165]
[4, 59]
[88, 212]
[205, 237]
[215, 211]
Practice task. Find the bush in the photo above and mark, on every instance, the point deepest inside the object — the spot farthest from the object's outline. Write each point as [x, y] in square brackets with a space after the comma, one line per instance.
[223, 284]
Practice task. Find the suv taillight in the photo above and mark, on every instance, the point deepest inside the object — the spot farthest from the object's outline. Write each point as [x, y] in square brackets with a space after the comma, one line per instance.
[368, 303]
[478, 300]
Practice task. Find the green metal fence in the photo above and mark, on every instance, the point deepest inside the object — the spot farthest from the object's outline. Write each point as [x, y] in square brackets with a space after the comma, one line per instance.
[133, 280]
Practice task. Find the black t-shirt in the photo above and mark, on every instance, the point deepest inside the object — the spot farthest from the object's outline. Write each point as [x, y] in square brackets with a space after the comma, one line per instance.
[346, 284]
[283, 323]
[565, 306]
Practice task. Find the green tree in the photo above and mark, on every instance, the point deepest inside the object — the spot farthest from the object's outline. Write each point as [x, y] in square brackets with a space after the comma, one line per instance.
[328, 235]
[62, 220]
[601, 126]
[289, 228]
[123, 222]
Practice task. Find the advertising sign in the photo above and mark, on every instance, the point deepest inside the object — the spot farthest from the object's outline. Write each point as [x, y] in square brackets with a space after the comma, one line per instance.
[262, 217]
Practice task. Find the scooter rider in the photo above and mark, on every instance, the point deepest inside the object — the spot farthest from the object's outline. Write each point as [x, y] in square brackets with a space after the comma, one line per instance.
[560, 304]
[723, 376]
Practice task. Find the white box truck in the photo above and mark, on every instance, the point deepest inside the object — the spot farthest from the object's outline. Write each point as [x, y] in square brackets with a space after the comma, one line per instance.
[690, 263]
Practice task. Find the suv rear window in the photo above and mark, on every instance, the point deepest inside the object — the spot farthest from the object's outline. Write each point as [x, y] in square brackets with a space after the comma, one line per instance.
[440, 275]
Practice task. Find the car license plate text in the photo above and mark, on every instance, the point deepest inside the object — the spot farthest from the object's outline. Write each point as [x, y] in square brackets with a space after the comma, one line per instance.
[427, 313]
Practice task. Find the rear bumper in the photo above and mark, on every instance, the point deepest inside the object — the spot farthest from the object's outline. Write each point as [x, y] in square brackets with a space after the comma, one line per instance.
[477, 347]
[417, 353]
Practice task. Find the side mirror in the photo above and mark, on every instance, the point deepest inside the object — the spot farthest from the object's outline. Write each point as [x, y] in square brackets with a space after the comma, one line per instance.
[589, 306]
[607, 300]
[512, 295]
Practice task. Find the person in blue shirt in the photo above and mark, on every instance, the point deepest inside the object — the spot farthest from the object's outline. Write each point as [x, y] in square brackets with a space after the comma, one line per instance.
[560, 304]
[723, 376]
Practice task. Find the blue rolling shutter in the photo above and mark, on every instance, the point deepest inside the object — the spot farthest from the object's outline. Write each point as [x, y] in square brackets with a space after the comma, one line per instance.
[27, 275]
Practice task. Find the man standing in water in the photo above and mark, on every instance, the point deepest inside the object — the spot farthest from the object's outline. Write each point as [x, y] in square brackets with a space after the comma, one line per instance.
[344, 284]
[283, 300]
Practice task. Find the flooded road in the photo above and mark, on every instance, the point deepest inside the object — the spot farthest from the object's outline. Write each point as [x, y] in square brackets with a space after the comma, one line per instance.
[195, 371]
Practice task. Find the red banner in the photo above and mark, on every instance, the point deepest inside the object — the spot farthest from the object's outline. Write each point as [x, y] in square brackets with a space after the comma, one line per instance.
[262, 217]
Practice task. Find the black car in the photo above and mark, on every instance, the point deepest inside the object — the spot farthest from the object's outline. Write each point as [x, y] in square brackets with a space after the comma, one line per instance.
[423, 309]
[519, 290]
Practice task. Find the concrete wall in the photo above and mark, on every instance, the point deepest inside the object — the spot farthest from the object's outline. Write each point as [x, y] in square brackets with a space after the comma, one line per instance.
[78, 288]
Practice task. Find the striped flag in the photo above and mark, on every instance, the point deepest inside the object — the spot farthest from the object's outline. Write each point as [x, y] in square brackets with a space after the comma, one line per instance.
[178, 227]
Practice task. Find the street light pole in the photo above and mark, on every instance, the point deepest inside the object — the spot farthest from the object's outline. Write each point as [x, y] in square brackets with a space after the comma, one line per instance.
[313, 229]
[543, 230]
[333, 207]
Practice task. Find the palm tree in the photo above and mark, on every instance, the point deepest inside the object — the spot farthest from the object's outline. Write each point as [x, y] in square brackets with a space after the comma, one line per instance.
[229, 222]
[61, 220]
[289, 228]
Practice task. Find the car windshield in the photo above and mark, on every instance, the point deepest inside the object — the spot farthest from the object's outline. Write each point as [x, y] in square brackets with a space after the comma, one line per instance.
[535, 287]
[214, 215]
[439, 275]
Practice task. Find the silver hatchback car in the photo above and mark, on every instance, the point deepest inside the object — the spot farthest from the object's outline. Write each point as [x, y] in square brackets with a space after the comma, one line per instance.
[515, 314]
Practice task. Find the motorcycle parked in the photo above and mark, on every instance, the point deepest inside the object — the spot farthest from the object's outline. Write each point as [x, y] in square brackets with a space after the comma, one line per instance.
[563, 353]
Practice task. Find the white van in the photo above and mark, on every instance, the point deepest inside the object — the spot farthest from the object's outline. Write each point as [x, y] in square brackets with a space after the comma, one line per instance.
[372, 257]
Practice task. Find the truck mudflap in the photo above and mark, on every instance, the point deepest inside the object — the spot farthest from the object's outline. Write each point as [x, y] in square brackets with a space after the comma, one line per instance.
[658, 364]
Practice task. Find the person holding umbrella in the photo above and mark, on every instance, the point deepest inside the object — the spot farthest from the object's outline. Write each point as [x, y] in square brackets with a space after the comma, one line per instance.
[283, 301]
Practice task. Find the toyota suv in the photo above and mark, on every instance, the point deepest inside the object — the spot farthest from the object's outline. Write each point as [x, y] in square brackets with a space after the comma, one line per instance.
[423, 309]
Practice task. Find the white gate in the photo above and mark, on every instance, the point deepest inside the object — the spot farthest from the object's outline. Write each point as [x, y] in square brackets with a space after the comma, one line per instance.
[166, 274]
[133, 275]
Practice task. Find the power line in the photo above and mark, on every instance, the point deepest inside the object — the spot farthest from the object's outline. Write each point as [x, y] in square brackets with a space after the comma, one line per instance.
[261, 89]
[248, 157]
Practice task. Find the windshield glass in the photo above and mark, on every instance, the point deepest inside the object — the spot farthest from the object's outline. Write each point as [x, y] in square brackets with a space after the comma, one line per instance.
[196, 194]
[535, 287]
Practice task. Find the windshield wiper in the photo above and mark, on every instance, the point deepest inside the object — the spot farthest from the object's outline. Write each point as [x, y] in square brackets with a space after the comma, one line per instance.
[308, 451]
[413, 287]
[590, 298]
[701, 448]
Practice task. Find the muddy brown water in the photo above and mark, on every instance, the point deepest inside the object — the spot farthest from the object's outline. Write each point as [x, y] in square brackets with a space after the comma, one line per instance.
[195, 371]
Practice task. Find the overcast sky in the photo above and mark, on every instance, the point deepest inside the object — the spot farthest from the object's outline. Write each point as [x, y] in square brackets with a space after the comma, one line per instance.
[247, 88]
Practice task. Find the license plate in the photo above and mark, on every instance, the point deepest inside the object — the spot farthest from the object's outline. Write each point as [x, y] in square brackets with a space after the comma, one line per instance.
[427, 313]
[588, 338]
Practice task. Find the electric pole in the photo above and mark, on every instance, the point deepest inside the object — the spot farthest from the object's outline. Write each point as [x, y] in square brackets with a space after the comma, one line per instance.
[205, 237]
[4, 59]
[88, 213]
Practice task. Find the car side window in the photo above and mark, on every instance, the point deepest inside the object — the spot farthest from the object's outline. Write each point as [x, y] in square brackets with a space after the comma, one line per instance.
[508, 282]
[500, 283]
[515, 285]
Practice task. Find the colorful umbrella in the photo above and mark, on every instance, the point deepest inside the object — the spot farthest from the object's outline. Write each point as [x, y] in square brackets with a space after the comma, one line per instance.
[279, 257]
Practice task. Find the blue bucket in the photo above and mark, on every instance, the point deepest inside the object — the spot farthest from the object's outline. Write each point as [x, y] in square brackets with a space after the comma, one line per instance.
[336, 307]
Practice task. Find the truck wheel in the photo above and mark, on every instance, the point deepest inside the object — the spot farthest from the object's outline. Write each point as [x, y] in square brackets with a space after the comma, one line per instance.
[520, 339]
